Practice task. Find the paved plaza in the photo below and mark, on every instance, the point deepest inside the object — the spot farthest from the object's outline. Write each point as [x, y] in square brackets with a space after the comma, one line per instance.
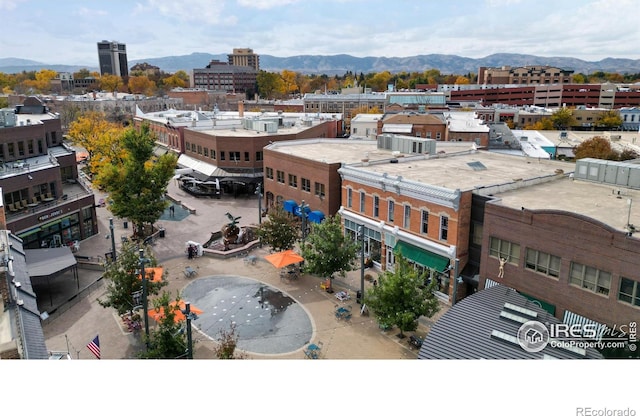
[275, 318]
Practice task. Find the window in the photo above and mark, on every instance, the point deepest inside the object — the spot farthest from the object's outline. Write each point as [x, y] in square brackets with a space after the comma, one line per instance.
[476, 229]
[504, 249]
[390, 211]
[542, 262]
[590, 278]
[349, 197]
[424, 227]
[407, 217]
[222, 156]
[280, 176]
[293, 181]
[362, 196]
[234, 156]
[269, 173]
[319, 189]
[629, 291]
[258, 156]
[30, 146]
[205, 152]
[444, 228]
[376, 206]
[199, 149]
[213, 154]
[246, 156]
[306, 185]
[10, 150]
[438, 137]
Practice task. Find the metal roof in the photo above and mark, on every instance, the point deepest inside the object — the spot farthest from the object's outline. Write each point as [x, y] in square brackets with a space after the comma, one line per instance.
[481, 326]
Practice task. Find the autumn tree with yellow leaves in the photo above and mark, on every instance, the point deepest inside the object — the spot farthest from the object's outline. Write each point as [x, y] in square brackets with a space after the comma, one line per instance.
[99, 137]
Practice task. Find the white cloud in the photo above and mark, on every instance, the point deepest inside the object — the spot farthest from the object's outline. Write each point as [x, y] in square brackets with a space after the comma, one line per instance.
[205, 11]
[9, 4]
[265, 4]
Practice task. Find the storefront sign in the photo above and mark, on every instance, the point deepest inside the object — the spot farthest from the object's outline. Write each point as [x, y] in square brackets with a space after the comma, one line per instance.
[50, 215]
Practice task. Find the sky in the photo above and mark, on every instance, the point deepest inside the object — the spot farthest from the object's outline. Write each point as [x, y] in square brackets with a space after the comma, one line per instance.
[67, 31]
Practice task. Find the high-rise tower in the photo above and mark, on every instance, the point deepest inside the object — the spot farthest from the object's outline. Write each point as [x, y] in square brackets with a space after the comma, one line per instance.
[112, 57]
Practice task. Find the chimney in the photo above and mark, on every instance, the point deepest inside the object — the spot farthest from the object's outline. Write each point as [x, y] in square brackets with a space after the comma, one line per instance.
[240, 109]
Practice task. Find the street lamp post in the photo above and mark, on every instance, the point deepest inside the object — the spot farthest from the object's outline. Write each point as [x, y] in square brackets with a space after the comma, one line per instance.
[144, 297]
[187, 313]
[303, 213]
[361, 238]
[113, 241]
[259, 193]
[455, 282]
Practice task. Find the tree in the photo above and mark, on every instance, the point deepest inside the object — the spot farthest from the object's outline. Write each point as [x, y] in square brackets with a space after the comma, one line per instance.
[227, 342]
[178, 80]
[111, 83]
[141, 85]
[137, 186]
[99, 137]
[610, 120]
[289, 79]
[400, 297]
[542, 124]
[124, 281]
[600, 148]
[562, 118]
[168, 340]
[327, 250]
[279, 230]
[269, 84]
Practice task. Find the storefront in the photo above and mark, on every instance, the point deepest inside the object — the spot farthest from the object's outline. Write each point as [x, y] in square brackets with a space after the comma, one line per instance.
[55, 230]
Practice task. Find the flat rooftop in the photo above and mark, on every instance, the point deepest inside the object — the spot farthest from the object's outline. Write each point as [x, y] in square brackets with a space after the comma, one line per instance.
[349, 151]
[471, 169]
[595, 200]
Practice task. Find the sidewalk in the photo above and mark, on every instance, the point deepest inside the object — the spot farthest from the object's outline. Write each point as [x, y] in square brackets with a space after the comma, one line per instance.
[358, 339]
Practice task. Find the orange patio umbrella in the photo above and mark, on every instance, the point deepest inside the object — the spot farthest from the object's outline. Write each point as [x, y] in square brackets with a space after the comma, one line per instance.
[152, 274]
[158, 313]
[284, 258]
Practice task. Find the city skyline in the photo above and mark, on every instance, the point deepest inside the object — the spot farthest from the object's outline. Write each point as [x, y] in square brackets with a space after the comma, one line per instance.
[48, 33]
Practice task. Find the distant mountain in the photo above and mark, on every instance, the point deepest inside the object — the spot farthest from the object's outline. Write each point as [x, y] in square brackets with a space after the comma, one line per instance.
[446, 64]
[339, 64]
[17, 65]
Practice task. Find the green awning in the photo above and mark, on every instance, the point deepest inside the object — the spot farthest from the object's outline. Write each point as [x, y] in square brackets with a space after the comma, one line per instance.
[29, 232]
[544, 305]
[422, 257]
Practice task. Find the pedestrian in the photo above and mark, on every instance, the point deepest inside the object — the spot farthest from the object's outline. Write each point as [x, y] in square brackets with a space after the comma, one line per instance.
[190, 252]
[172, 211]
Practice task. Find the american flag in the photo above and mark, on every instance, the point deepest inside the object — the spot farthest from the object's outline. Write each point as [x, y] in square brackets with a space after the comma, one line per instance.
[94, 347]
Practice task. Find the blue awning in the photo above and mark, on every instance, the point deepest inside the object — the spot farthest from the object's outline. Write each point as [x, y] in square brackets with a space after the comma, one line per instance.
[290, 205]
[297, 213]
[316, 216]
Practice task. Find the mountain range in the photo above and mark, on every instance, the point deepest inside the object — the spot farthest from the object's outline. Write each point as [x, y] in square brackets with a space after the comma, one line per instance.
[339, 64]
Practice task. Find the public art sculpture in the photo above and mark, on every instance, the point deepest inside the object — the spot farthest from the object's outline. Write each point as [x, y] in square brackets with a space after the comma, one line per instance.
[232, 234]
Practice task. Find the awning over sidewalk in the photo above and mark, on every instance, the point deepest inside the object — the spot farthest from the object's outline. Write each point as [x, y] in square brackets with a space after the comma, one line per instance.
[422, 257]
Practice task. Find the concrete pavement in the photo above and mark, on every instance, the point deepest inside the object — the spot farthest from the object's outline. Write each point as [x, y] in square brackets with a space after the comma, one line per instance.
[71, 326]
